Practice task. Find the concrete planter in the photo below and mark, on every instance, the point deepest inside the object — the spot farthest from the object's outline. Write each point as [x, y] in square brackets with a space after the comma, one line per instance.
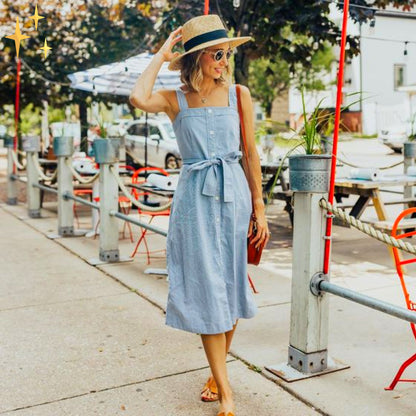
[31, 143]
[8, 141]
[63, 146]
[309, 173]
[106, 150]
[409, 149]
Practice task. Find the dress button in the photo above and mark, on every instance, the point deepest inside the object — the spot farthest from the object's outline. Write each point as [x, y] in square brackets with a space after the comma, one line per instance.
[218, 220]
[217, 198]
[211, 132]
[213, 154]
[209, 111]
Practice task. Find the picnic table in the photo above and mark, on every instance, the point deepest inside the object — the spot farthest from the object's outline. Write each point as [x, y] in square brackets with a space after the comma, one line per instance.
[370, 191]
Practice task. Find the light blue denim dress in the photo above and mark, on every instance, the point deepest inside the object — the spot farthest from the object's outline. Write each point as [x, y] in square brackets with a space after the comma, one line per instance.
[210, 213]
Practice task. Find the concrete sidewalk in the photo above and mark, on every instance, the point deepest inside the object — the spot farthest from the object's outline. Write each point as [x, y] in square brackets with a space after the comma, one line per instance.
[76, 340]
[83, 340]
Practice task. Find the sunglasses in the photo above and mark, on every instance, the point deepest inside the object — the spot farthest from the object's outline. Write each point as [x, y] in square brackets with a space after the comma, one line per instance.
[220, 53]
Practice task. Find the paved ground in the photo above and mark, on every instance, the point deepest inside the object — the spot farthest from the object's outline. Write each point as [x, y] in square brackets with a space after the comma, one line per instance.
[84, 340]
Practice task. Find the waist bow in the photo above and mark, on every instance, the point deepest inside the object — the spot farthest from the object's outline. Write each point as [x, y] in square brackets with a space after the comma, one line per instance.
[211, 177]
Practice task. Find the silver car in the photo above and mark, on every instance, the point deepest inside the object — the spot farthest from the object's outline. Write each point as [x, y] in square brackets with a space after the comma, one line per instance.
[162, 148]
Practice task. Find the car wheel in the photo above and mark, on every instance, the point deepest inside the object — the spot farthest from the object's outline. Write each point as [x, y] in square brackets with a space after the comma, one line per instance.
[171, 162]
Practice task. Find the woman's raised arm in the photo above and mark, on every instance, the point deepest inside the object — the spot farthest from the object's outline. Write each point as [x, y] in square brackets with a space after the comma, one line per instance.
[142, 95]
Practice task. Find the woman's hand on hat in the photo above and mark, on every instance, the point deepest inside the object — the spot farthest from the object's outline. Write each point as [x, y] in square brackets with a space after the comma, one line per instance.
[166, 50]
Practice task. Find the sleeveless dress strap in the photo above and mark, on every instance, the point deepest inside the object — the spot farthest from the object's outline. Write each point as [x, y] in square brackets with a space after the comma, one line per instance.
[232, 96]
[183, 104]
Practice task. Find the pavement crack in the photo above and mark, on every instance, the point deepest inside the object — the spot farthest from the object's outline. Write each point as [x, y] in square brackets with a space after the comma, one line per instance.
[134, 383]
[34, 305]
[274, 304]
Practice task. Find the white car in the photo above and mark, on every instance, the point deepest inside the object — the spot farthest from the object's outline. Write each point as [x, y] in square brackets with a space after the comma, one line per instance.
[162, 148]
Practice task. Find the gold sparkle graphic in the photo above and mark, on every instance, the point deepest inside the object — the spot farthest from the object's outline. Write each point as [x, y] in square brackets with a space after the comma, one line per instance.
[45, 49]
[36, 17]
[17, 37]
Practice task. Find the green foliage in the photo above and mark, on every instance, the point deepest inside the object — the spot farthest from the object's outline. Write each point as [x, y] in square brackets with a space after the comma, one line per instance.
[270, 77]
[267, 80]
[310, 138]
[83, 34]
[56, 114]
[30, 120]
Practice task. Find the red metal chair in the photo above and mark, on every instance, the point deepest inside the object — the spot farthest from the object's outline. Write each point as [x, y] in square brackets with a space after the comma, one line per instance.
[409, 303]
[138, 179]
[80, 192]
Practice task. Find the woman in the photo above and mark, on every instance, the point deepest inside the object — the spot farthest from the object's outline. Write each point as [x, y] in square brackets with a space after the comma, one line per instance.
[211, 209]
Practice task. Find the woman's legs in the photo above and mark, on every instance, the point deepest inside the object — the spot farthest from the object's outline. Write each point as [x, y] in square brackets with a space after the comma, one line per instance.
[207, 394]
[215, 350]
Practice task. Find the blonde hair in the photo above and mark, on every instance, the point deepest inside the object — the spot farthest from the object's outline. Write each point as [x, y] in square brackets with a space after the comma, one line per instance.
[191, 72]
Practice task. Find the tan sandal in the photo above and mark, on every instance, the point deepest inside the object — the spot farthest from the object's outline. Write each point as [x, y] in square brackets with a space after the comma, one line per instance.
[210, 387]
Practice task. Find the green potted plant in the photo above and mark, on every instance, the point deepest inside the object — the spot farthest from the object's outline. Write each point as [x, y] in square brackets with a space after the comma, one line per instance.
[63, 144]
[409, 147]
[106, 148]
[30, 137]
[309, 172]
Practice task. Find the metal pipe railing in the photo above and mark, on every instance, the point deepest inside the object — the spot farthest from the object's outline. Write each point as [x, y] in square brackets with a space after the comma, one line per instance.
[318, 283]
[22, 179]
[67, 196]
[139, 223]
[45, 188]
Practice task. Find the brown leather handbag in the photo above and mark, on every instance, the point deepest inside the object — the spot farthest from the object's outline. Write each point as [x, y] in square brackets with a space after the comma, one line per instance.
[253, 253]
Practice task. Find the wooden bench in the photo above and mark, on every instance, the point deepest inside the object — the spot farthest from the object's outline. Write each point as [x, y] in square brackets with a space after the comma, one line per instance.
[404, 224]
[392, 202]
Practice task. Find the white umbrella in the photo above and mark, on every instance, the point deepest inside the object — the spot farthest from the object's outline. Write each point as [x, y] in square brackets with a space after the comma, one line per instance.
[119, 78]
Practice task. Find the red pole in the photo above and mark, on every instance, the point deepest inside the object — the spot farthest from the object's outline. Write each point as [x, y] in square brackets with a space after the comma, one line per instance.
[336, 131]
[16, 108]
[206, 7]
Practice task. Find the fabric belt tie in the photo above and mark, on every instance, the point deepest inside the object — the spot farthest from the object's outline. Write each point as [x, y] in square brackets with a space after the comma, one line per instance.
[211, 177]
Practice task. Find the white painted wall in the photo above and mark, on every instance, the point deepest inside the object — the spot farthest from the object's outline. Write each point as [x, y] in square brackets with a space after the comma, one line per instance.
[382, 107]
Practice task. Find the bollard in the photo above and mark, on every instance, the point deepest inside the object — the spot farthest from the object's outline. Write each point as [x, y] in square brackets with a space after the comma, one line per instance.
[308, 341]
[309, 314]
[409, 154]
[63, 148]
[11, 183]
[106, 154]
[32, 192]
[109, 251]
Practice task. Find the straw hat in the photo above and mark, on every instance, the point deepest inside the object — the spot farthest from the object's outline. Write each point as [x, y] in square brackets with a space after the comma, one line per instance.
[202, 32]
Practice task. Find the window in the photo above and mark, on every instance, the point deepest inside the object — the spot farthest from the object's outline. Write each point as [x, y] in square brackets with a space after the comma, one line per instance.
[137, 130]
[399, 75]
[154, 130]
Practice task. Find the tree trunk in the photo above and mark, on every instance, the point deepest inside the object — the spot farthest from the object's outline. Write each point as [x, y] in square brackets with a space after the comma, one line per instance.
[241, 68]
[268, 110]
[84, 126]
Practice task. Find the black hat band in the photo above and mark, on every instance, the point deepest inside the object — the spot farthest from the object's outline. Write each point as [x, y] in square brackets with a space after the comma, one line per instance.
[205, 37]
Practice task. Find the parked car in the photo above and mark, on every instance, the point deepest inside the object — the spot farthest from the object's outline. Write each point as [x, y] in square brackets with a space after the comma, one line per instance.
[162, 148]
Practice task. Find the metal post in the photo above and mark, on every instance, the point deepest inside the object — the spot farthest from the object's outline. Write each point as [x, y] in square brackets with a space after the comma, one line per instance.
[409, 154]
[65, 206]
[32, 192]
[109, 251]
[309, 314]
[308, 341]
[11, 183]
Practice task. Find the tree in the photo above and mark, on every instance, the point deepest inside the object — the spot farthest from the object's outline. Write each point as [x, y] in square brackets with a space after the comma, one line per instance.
[276, 24]
[82, 34]
[269, 78]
